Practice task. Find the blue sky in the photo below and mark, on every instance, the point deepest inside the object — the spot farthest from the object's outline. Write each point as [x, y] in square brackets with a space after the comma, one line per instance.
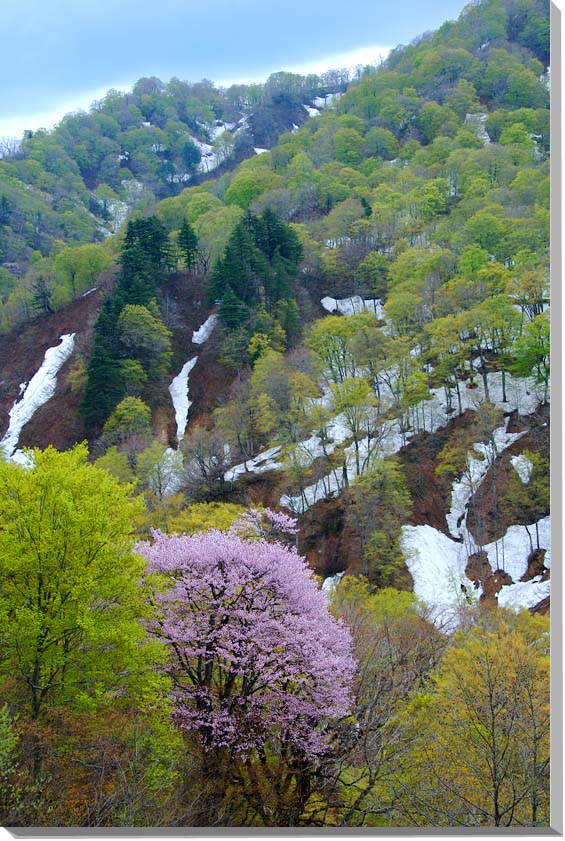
[59, 55]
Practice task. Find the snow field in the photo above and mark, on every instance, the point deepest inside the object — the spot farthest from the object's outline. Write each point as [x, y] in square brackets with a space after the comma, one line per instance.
[38, 391]
[437, 565]
[262, 463]
[178, 390]
[510, 553]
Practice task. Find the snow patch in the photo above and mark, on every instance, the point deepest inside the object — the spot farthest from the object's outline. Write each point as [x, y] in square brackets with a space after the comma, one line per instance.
[523, 467]
[262, 463]
[312, 112]
[166, 478]
[352, 305]
[38, 391]
[205, 330]
[178, 390]
[476, 122]
[464, 488]
[437, 565]
[219, 129]
[511, 552]
[324, 101]
[258, 150]
[524, 594]
[331, 583]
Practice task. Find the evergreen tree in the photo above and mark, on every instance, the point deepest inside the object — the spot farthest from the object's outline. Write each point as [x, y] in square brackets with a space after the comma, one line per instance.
[188, 244]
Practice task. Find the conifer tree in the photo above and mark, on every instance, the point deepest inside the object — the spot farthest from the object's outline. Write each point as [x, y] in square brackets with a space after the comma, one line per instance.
[188, 244]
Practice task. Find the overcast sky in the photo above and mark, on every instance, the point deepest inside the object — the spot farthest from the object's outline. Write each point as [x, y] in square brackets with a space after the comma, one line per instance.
[59, 55]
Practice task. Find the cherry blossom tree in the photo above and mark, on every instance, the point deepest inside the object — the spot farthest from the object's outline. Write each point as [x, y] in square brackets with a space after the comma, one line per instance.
[256, 657]
[260, 669]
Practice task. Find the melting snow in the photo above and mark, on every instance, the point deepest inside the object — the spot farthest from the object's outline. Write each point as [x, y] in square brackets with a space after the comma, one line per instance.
[524, 594]
[312, 112]
[477, 122]
[39, 390]
[167, 475]
[324, 101]
[463, 490]
[258, 150]
[511, 552]
[353, 305]
[523, 394]
[331, 583]
[219, 129]
[523, 467]
[210, 157]
[437, 565]
[205, 330]
[178, 390]
[260, 464]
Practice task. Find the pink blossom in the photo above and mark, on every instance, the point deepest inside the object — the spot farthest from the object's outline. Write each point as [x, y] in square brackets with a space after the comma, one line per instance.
[255, 653]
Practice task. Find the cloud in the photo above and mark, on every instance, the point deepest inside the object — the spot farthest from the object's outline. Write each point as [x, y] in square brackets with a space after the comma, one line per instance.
[82, 100]
[57, 53]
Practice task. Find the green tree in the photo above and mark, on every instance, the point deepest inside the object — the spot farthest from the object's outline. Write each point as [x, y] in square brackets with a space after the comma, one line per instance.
[72, 604]
[527, 502]
[144, 337]
[130, 417]
[188, 244]
[380, 503]
[81, 265]
[531, 351]
[480, 734]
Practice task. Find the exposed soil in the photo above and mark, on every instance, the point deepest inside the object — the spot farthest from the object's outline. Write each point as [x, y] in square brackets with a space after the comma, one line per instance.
[21, 354]
[543, 607]
[488, 519]
[536, 566]
[184, 299]
[480, 572]
[325, 539]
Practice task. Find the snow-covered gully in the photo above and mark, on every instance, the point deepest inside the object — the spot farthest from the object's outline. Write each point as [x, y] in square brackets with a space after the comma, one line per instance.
[38, 391]
[178, 390]
[205, 330]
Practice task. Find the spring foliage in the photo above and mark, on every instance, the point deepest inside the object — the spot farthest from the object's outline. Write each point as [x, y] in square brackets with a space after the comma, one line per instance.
[71, 601]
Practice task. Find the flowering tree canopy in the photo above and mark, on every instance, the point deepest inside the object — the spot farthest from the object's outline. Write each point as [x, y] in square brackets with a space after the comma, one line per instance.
[255, 653]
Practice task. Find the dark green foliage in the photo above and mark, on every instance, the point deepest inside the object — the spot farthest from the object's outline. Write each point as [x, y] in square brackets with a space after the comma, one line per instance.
[143, 259]
[188, 244]
[146, 250]
[258, 268]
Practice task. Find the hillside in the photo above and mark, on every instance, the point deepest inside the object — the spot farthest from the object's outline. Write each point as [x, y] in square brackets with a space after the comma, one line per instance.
[424, 187]
[344, 319]
[76, 183]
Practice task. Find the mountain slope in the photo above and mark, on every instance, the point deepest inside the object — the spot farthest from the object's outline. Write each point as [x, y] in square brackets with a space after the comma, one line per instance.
[419, 199]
